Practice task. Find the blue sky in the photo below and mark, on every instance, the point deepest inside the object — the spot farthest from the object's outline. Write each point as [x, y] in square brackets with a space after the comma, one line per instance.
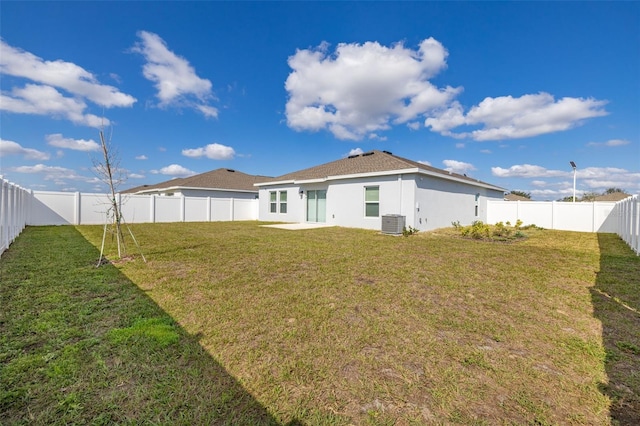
[506, 92]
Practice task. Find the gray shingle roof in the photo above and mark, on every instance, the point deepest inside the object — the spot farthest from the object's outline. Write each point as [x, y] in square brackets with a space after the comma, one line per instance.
[614, 196]
[224, 179]
[515, 197]
[370, 162]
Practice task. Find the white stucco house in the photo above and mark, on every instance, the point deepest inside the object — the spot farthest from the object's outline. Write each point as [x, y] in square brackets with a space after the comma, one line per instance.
[361, 190]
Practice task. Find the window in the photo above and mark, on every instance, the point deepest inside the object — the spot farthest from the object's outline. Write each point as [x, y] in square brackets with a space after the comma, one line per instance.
[283, 201]
[372, 201]
[273, 202]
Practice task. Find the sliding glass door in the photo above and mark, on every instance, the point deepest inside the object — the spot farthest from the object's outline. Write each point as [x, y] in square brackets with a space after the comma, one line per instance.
[317, 205]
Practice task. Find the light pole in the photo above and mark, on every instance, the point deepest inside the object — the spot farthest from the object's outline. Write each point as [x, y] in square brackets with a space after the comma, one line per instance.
[574, 180]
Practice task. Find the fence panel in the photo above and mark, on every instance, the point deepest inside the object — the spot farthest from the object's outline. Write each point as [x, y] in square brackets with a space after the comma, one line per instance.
[574, 216]
[92, 208]
[14, 209]
[220, 210]
[168, 209]
[52, 208]
[629, 222]
[539, 213]
[137, 208]
[245, 209]
[195, 209]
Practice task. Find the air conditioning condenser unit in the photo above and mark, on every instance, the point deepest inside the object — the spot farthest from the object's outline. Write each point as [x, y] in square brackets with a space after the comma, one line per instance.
[392, 224]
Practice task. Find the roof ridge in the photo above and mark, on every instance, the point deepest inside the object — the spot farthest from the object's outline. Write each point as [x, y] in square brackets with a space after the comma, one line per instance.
[374, 161]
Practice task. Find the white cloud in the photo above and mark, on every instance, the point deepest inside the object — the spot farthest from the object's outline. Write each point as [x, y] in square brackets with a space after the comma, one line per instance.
[528, 171]
[208, 111]
[593, 179]
[414, 125]
[460, 145]
[377, 137]
[46, 100]
[55, 173]
[551, 194]
[355, 151]
[214, 151]
[485, 151]
[13, 148]
[173, 76]
[458, 166]
[135, 176]
[64, 75]
[426, 163]
[507, 117]
[59, 141]
[142, 157]
[610, 143]
[363, 88]
[174, 170]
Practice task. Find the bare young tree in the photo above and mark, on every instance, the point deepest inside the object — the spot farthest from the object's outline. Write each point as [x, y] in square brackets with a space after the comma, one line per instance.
[109, 171]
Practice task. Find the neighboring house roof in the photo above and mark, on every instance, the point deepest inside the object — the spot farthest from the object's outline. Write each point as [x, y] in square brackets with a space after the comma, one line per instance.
[514, 197]
[219, 179]
[370, 163]
[614, 196]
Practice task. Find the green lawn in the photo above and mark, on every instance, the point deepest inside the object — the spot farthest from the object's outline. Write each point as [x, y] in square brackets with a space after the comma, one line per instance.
[232, 323]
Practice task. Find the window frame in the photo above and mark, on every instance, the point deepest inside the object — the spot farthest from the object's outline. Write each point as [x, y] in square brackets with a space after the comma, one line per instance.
[282, 204]
[371, 203]
[273, 201]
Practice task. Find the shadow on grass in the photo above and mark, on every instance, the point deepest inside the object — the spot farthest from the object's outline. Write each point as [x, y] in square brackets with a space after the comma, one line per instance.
[84, 345]
[616, 303]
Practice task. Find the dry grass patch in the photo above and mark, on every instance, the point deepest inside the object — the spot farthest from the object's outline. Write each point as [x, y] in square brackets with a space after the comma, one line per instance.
[347, 326]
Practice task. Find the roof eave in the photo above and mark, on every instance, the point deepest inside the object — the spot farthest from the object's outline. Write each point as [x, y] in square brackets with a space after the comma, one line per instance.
[275, 182]
[468, 181]
[199, 188]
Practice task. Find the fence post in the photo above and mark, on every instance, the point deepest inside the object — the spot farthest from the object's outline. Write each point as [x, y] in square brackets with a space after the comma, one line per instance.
[77, 202]
[635, 224]
[208, 209]
[3, 215]
[152, 208]
[12, 212]
[233, 210]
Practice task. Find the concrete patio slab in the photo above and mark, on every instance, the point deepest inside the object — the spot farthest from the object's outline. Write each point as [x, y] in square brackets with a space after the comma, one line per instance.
[298, 226]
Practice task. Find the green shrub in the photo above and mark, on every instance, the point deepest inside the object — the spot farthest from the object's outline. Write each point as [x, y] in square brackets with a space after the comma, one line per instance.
[498, 232]
[477, 230]
[409, 231]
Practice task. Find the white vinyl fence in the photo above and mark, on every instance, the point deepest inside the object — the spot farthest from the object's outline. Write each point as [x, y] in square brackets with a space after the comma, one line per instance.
[20, 207]
[67, 208]
[581, 217]
[13, 212]
[629, 222]
[620, 218]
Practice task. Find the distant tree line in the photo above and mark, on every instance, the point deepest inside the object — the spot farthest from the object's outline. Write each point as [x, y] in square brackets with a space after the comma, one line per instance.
[590, 196]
